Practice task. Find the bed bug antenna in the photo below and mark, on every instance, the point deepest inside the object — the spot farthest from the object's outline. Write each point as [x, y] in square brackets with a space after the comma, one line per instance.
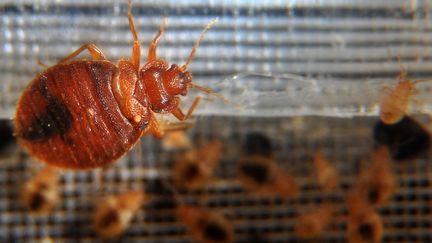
[194, 49]
[403, 73]
[210, 92]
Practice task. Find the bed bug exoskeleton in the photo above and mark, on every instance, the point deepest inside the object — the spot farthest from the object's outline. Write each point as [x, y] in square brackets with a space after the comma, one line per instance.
[206, 226]
[376, 183]
[194, 169]
[263, 176]
[326, 174]
[83, 114]
[312, 224]
[364, 224]
[41, 193]
[114, 214]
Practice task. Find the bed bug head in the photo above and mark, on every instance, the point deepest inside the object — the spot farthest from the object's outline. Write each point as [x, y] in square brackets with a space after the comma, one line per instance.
[178, 79]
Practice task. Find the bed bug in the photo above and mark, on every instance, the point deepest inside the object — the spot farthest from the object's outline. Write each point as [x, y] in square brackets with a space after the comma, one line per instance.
[263, 176]
[84, 114]
[206, 226]
[394, 105]
[194, 168]
[326, 174]
[312, 224]
[114, 214]
[364, 224]
[376, 183]
[41, 193]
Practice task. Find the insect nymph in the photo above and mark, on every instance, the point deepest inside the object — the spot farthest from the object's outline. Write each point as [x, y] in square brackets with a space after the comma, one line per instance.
[84, 114]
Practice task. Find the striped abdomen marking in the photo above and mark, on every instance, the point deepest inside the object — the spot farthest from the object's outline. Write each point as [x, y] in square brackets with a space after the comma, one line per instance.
[68, 116]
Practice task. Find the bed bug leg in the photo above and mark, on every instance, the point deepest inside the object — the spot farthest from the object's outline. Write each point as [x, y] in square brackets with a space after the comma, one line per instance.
[153, 128]
[155, 41]
[39, 62]
[178, 113]
[95, 52]
[136, 47]
[175, 126]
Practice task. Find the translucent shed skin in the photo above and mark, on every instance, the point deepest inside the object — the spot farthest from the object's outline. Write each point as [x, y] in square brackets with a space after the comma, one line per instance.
[84, 114]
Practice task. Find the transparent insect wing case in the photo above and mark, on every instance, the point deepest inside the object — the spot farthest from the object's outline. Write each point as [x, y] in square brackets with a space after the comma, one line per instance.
[307, 75]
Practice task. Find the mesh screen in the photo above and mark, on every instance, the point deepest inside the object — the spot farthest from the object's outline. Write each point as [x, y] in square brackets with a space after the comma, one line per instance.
[350, 41]
[346, 142]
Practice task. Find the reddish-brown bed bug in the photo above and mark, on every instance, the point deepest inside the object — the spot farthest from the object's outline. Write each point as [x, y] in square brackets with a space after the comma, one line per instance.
[394, 105]
[84, 114]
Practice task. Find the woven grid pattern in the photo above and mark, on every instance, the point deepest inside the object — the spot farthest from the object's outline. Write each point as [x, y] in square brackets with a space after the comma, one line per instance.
[346, 142]
[351, 41]
[335, 39]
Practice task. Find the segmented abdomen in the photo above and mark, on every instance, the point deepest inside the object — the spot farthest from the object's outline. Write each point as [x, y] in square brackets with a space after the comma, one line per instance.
[68, 116]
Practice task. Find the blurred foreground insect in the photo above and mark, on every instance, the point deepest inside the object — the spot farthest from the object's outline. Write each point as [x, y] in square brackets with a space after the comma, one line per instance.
[84, 114]
[376, 183]
[312, 224]
[41, 193]
[194, 169]
[114, 214]
[206, 226]
[263, 176]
